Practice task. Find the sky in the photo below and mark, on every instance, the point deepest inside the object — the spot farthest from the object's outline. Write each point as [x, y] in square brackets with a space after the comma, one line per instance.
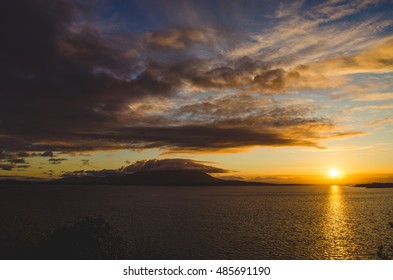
[277, 91]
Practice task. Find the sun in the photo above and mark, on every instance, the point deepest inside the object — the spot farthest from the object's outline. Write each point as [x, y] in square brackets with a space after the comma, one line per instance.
[334, 173]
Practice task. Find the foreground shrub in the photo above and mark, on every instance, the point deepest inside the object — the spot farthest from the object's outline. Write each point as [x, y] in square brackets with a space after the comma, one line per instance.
[85, 238]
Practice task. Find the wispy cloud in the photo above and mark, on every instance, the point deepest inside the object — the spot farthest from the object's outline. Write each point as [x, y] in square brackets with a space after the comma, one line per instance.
[378, 107]
[374, 60]
[381, 122]
[376, 97]
[306, 34]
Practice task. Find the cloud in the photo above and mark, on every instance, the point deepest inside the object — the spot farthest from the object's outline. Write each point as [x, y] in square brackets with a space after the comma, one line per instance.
[171, 164]
[56, 160]
[22, 166]
[178, 38]
[6, 166]
[16, 160]
[310, 32]
[23, 154]
[13, 164]
[72, 85]
[11, 160]
[334, 10]
[199, 138]
[49, 173]
[150, 165]
[381, 122]
[85, 161]
[244, 73]
[46, 154]
[378, 107]
[227, 123]
[375, 96]
[378, 59]
[67, 77]
[278, 179]
[93, 173]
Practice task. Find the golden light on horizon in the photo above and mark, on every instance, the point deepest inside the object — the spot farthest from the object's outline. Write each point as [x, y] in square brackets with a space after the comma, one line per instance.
[334, 173]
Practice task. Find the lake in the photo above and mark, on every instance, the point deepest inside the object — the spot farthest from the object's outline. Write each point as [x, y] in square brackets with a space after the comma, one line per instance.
[258, 222]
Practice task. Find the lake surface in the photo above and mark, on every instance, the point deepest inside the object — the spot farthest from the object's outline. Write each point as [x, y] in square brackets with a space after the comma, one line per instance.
[280, 222]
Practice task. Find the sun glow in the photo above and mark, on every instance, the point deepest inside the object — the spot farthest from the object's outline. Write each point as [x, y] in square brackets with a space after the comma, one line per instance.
[334, 173]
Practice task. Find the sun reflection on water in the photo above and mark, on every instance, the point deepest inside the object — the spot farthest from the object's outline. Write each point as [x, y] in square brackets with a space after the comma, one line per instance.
[336, 231]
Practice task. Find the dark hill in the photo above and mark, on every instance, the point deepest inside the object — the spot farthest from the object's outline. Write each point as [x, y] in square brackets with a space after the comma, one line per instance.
[171, 177]
[159, 178]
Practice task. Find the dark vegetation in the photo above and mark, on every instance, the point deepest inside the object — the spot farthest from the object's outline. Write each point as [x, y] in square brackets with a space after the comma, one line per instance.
[85, 238]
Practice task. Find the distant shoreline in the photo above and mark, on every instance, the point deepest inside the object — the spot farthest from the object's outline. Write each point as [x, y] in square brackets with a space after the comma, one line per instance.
[148, 178]
[58, 183]
[375, 186]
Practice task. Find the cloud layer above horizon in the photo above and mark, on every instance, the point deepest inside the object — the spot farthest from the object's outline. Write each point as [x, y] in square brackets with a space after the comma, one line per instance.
[189, 76]
[174, 164]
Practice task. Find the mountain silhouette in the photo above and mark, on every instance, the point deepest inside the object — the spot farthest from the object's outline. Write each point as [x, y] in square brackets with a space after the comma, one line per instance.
[159, 178]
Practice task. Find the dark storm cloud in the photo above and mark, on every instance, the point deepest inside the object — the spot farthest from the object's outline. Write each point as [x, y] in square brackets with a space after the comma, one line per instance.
[227, 134]
[206, 138]
[58, 76]
[182, 138]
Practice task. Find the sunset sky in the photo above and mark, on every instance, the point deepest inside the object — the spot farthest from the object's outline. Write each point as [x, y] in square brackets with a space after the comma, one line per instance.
[261, 90]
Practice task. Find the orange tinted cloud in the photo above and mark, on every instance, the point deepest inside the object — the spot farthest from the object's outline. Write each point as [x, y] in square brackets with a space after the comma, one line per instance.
[377, 59]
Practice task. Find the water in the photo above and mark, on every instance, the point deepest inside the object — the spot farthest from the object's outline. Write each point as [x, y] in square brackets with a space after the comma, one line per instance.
[280, 222]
